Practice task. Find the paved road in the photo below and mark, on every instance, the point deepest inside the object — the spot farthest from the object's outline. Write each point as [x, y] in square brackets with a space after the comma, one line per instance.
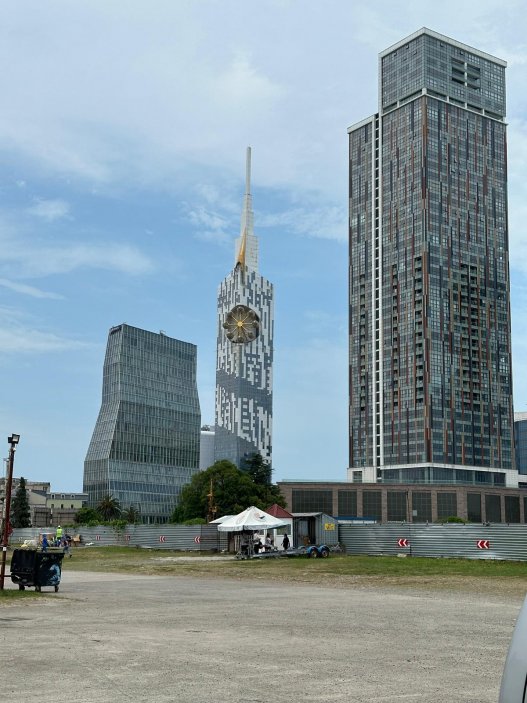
[113, 638]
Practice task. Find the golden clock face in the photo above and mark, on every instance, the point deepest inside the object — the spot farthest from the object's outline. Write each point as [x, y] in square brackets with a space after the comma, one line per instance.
[242, 325]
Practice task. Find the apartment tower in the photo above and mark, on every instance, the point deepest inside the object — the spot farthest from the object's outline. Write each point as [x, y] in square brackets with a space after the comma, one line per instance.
[430, 380]
[244, 358]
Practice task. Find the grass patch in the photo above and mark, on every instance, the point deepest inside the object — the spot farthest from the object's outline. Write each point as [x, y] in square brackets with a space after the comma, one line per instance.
[481, 576]
[337, 570]
[10, 595]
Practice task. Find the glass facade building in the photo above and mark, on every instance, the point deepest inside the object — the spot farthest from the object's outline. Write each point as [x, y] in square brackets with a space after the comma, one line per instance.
[520, 443]
[430, 395]
[145, 445]
[244, 352]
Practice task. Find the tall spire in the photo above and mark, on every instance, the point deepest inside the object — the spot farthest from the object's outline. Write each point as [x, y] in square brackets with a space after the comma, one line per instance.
[247, 222]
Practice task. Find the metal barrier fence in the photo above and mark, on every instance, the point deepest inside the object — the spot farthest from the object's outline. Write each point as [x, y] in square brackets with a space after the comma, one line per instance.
[494, 541]
[175, 537]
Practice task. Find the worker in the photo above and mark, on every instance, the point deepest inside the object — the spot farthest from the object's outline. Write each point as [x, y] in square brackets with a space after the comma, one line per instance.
[58, 535]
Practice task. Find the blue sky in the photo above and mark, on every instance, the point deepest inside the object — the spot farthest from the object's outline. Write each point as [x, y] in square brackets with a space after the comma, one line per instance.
[123, 133]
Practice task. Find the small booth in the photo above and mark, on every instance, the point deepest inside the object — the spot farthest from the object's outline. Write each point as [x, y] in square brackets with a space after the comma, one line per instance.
[314, 528]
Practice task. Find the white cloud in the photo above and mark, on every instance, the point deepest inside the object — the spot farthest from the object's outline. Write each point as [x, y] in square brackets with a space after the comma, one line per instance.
[17, 337]
[243, 85]
[323, 222]
[29, 290]
[210, 226]
[23, 255]
[32, 341]
[50, 210]
[45, 261]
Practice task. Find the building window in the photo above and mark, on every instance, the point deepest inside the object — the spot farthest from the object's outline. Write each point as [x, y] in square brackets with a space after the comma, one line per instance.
[396, 506]
[357, 477]
[493, 508]
[347, 503]
[312, 501]
[372, 505]
[446, 505]
[421, 506]
[474, 507]
[512, 509]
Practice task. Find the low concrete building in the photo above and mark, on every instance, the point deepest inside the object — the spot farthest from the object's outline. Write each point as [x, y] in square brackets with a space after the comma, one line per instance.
[410, 502]
[46, 509]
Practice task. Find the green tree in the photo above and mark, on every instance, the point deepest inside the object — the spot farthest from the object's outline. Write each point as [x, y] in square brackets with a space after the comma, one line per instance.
[131, 515]
[222, 489]
[87, 516]
[20, 513]
[258, 469]
[109, 508]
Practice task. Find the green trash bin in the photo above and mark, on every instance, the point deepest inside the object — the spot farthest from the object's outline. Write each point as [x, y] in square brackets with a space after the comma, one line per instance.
[30, 567]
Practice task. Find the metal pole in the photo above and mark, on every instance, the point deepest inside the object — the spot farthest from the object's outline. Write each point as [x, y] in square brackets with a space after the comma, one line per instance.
[7, 520]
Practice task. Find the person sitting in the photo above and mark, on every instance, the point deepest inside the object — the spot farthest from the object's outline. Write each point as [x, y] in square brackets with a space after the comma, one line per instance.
[268, 544]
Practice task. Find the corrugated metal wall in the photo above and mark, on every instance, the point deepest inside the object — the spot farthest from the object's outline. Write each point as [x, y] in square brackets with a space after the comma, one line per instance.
[327, 530]
[463, 541]
[176, 537]
[495, 541]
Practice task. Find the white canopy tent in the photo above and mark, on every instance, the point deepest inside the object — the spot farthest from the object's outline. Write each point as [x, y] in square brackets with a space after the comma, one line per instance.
[252, 519]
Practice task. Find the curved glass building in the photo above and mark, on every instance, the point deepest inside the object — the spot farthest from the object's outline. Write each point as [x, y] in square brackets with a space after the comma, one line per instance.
[145, 445]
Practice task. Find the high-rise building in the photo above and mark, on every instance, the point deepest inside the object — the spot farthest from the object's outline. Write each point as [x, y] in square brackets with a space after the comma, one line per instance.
[206, 447]
[244, 360]
[520, 444]
[430, 344]
[145, 445]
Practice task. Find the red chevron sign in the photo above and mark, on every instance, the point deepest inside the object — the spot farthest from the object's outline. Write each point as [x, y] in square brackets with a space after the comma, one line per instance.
[483, 544]
[403, 542]
[162, 538]
[197, 540]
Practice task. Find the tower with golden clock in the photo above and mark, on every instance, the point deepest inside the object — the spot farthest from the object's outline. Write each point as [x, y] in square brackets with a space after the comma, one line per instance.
[244, 351]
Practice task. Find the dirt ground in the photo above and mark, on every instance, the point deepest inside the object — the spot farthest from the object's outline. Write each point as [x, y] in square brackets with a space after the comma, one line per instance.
[112, 637]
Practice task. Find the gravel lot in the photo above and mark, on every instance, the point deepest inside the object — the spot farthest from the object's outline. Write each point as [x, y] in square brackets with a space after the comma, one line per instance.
[116, 637]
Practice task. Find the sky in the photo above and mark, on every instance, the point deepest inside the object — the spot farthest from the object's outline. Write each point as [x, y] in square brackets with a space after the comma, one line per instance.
[123, 133]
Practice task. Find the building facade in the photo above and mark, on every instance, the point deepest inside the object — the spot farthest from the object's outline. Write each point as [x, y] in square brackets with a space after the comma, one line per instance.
[520, 444]
[206, 447]
[244, 359]
[430, 373]
[145, 445]
[46, 508]
[409, 503]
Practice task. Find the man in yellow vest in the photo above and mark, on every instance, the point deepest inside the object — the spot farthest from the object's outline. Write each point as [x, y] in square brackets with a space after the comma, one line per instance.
[58, 536]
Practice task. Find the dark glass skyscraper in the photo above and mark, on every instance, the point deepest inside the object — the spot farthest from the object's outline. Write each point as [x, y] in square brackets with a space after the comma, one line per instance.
[430, 344]
[244, 359]
[145, 446]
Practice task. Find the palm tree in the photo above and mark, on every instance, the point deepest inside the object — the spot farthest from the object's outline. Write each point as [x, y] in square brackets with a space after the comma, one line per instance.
[131, 515]
[109, 508]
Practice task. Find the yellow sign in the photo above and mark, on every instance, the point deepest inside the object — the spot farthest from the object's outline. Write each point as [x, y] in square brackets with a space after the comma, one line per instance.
[329, 526]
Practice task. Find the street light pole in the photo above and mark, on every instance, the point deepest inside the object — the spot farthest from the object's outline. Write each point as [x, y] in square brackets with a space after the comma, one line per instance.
[13, 441]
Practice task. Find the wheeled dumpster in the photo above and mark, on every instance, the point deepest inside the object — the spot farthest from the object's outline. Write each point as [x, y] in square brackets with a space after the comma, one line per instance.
[30, 567]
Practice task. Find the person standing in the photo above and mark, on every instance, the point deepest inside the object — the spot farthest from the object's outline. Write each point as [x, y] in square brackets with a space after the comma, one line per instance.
[58, 536]
[45, 543]
[285, 542]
